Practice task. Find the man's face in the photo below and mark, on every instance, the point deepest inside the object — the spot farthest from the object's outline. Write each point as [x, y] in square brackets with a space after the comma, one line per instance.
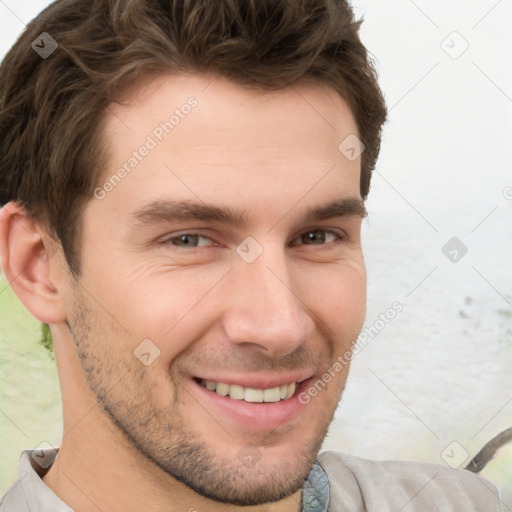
[265, 303]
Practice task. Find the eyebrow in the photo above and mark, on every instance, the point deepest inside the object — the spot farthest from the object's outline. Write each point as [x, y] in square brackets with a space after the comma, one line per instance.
[157, 211]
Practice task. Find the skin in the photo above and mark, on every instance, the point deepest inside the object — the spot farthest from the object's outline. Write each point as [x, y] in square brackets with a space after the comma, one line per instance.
[139, 437]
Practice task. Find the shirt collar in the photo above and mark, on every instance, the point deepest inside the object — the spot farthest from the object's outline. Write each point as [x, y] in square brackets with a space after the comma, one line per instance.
[34, 464]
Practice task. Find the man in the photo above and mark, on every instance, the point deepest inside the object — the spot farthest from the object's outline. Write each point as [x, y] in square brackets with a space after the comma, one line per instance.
[184, 186]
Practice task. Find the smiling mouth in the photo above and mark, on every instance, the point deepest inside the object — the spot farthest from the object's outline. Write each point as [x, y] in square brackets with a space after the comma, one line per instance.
[252, 395]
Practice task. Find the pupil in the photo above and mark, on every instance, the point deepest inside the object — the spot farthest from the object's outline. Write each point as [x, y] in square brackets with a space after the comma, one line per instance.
[313, 236]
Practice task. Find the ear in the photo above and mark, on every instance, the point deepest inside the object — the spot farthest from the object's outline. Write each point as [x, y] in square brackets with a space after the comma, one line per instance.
[26, 251]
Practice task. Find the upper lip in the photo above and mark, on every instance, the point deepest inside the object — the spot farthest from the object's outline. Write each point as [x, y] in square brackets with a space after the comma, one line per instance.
[260, 381]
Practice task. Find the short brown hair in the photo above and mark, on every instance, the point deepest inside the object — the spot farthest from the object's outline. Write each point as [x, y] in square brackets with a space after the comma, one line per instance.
[51, 109]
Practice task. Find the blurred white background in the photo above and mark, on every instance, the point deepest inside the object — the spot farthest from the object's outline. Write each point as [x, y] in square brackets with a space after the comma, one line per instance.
[440, 372]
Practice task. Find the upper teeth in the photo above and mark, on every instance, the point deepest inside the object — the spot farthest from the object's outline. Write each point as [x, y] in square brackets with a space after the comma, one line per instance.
[251, 394]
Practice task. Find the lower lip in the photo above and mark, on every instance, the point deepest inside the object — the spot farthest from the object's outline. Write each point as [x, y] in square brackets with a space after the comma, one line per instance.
[254, 416]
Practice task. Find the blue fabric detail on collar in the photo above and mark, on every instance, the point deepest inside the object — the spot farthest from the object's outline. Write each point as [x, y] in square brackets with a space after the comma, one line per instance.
[315, 493]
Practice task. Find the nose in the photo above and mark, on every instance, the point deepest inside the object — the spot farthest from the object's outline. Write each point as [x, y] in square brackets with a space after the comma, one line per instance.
[264, 308]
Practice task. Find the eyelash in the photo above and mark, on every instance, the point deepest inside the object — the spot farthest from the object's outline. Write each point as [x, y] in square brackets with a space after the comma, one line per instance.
[340, 237]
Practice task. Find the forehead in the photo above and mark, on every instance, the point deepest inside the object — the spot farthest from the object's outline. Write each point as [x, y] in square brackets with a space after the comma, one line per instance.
[201, 137]
[169, 90]
[228, 116]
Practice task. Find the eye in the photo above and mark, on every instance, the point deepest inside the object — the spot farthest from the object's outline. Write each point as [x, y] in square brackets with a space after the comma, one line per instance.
[319, 237]
[312, 237]
[187, 240]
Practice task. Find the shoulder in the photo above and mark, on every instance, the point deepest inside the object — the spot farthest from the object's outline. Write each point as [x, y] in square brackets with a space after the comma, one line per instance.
[29, 492]
[14, 499]
[405, 485]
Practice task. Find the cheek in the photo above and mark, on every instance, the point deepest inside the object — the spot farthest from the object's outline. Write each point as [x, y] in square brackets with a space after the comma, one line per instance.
[163, 305]
[172, 307]
[337, 295]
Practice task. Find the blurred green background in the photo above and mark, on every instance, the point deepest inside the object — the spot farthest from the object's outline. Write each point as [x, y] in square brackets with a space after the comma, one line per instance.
[30, 402]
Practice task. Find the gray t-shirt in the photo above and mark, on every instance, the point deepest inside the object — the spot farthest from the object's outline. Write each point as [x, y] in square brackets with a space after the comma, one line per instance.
[336, 483]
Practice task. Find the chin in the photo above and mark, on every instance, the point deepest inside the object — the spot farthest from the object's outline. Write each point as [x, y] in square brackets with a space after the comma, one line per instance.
[252, 482]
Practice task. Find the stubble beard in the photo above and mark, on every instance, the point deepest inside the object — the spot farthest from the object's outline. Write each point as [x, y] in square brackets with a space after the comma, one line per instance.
[119, 384]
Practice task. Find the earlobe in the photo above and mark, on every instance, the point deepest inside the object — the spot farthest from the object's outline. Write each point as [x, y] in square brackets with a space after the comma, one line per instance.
[26, 251]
